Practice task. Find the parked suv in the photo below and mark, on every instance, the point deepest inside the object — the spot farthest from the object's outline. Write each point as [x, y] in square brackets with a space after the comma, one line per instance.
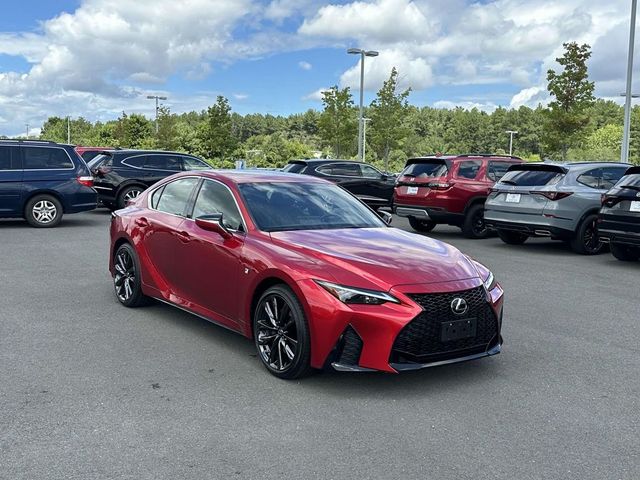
[620, 217]
[122, 175]
[361, 179]
[40, 181]
[560, 201]
[89, 153]
[450, 190]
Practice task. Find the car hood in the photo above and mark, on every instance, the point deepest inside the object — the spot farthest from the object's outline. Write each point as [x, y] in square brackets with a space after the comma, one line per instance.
[385, 257]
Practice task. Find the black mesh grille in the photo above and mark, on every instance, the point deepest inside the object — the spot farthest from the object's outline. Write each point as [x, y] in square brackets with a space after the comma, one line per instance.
[351, 347]
[420, 340]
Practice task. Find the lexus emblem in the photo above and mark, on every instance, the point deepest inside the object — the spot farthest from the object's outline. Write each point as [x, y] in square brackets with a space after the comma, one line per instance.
[459, 306]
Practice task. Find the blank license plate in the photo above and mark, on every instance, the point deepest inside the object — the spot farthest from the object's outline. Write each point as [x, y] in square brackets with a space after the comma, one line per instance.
[412, 190]
[458, 329]
[513, 198]
[634, 207]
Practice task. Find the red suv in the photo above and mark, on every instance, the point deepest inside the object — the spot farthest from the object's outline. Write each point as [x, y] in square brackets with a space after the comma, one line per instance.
[450, 190]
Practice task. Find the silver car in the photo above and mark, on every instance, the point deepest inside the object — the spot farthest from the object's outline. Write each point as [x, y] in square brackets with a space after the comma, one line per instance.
[557, 200]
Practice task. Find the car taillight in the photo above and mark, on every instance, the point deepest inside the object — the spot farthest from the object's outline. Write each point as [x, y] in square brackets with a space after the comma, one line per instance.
[608, 201]
[553, 195]
[86, 181]
[439, 185]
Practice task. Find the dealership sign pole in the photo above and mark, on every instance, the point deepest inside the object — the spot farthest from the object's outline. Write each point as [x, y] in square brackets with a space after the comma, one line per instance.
[624, 154]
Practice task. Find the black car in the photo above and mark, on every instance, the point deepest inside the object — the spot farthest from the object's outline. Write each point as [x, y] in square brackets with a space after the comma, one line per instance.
[121, 175]
[364, 181]
[619, 220]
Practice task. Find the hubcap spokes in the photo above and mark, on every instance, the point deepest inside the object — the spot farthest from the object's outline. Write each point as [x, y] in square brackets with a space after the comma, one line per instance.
[131, 194]
[277, 335]
[125, 276]
[478, 223]
[591, 240]
[44, 211]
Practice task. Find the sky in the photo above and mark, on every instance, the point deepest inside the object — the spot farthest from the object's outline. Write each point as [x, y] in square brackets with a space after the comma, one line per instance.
[98, 58]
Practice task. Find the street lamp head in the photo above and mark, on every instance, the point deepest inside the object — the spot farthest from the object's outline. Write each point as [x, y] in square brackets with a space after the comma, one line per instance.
[355, 51]
[150, 97]
[371, 53]
[162, 98]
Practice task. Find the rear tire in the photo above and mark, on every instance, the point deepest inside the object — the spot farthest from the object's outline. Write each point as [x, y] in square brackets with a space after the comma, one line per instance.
[423, 226]
[43, 211]
[281, 334]
[625, 253]
[473, 225]
[512, 238]
[127, 279]
[586, 240]
[128, 193]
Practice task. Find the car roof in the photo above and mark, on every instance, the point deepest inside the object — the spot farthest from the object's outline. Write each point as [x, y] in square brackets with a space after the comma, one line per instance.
[146, 152]
[37, 143]
[258, 176]
[325, 160]
[467, 156]
[577, 165]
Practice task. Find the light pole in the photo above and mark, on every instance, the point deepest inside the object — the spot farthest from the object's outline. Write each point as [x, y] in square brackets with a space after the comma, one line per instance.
[624, 152]
[511, 134]
[362, 53]
[27, 125]
[156, 98]
[364, 137]
[68, 129]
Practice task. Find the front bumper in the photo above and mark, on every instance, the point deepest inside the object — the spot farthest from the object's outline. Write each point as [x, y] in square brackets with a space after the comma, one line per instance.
[388, 337]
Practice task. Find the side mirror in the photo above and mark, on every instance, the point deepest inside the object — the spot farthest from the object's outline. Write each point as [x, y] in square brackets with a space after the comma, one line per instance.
[385, 216]
[213, 223]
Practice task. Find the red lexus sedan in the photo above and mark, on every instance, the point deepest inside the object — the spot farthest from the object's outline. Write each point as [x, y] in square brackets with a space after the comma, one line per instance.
[309, 272]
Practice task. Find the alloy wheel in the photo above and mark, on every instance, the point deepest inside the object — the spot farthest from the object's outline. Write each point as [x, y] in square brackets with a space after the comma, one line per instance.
[591, 240]
[478, 225]
[44, 211]
[131, 195]
[277, 336]
[125, 277]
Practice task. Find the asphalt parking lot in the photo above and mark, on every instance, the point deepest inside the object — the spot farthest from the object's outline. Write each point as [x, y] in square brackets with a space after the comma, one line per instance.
[91, 390]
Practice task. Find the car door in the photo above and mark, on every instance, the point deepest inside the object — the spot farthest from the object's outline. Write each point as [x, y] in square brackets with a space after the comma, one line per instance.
[210, 265]
[160, 166]
[376, 185]
[163, 233]
[11, 175]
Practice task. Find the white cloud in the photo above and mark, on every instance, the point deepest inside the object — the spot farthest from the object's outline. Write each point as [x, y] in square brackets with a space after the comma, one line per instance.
[316, 95]
[305, 65]
[467, 105]
[240, 96]
[530, 97]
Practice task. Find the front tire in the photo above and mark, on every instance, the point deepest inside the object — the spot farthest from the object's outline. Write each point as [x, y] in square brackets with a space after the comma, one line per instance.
[281, 334]
[423, 226]
[43, 211]
[127, 194]
[625, 253]
[474, 226]
[512, 238]
[127, 281]
[586, 240]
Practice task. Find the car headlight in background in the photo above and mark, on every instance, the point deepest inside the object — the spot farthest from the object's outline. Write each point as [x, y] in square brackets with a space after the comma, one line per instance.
[359, 296]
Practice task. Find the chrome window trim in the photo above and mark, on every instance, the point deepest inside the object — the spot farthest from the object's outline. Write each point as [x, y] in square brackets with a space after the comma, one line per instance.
[151, 192]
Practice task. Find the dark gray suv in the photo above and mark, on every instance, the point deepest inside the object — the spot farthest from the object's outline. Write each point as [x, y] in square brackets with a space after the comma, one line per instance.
[556, 200]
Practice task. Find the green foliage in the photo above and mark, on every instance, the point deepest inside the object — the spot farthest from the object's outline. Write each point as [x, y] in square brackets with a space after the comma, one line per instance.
[337, 124]
[216, 132]
[388, 112]
[568, 117]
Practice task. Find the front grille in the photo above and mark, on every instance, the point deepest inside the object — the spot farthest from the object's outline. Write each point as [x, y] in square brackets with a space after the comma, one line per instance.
[420, 340]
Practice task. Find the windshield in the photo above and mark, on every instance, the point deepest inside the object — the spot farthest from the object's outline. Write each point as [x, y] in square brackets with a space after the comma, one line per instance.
[279, 206]
[426, 169]
[97, 160]
[531, 178]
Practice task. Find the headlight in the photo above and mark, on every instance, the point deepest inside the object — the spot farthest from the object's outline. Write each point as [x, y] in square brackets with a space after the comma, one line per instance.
[490, 282]
[352, 295]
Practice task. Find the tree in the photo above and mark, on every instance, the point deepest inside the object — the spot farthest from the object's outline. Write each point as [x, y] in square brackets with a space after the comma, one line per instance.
[216, 133]
[337, 123]
[388, 112]
[167, 138]
[568, 117]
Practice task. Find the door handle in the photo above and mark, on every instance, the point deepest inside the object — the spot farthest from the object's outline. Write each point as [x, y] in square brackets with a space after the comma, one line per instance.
[183, 236]
[142, 222]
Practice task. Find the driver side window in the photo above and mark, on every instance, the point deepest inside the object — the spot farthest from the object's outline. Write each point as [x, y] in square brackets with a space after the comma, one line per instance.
[216, 198]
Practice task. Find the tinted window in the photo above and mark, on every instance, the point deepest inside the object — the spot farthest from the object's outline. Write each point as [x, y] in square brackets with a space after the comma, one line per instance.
[294, 167]
[163, 162]
[370, 172]
[591, 178]
[496, 170]
[216, 198]
[45, 158]
[297, 206]
[6, 160]
[175, 196]
[630, 180]
[90, 155]
[426, 169]
[190, 163]
[340, 169]
[98, 160]
[137, 161]
[531, 178]
[611, 176]
[469, 169]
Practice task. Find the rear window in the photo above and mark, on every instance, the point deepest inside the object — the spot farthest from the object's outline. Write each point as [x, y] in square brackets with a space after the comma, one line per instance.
[294, 167]
[531, 178]
[38, 158]
[97, 160]
[632, 180]
[90, 155]
[426, 169]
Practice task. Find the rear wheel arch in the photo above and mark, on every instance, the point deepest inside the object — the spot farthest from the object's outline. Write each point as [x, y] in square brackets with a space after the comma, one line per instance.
[474, 201]
[35, 193]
